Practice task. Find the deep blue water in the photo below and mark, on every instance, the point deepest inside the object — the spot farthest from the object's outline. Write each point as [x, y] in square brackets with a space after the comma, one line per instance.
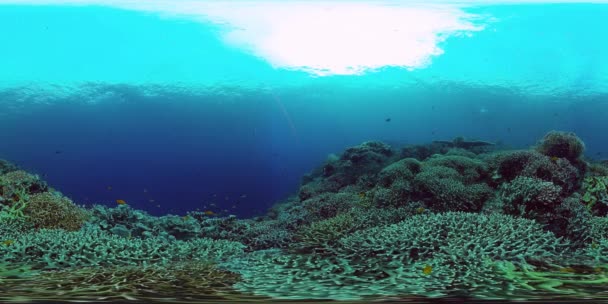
[111, 104]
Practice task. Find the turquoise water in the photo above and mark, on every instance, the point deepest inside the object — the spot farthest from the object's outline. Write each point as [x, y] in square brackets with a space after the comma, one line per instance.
[202, 116]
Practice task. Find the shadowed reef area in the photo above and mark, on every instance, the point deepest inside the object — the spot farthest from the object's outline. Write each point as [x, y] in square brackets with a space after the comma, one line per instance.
[449, 221]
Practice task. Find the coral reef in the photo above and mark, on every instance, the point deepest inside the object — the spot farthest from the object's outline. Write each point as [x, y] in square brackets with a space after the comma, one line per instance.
[450, 218]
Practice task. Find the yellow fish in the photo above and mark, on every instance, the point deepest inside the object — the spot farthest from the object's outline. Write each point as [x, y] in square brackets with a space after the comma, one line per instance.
[121, 202]
[567, 269]
[186, 217]
[427, 269]
[209, 212]
[8, 242]
[362, 194]
[554, 158]
[419, 210]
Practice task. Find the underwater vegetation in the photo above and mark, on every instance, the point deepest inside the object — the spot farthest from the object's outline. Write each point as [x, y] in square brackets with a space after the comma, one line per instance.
[445, 219]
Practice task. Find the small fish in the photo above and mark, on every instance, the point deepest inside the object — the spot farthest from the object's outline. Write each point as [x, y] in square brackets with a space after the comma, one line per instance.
[186, 217]
[209, 212]
[157, 206]
[428, 269]
[567, 270]
[243, 195]
[594, 245]
[121, 202]
[109, 188]
[554, 158]
[226, 198]
[420, 210]
[214, 195]
[152, 201]
[362, 194]
[8, 242]
[58, 152]
[225, 210]
[233, 206]
[145, 190]
[198, 209]
[213, 205]
[388, 119]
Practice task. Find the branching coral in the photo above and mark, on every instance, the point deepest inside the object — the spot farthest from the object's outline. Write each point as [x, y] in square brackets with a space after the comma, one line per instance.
[57, 249]
[445, 189]
[53, 211]
[186, 280]
[562, 145]
[507, 166]
[15, 184]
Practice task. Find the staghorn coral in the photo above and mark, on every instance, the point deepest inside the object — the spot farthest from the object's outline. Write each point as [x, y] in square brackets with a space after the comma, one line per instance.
[319, 237]
[389, 260]
[184, 280]
[57, 249]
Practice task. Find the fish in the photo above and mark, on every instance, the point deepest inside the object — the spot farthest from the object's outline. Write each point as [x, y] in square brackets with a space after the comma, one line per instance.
[186, 217]
[121, 202]
[213, 205]
[428, 269]
[8, 242]
[214, 195]
[157, 206]
[243, 195]
[567, 270]
[362, 194]
[209, 212]
[145, 190]
[109, 188]
[388, 119]
[420, 210]
[233, 206]
[151, 201]
[226, 198]
[554, 158]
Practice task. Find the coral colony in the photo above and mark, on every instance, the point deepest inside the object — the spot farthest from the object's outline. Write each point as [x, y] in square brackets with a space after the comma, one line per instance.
[450, 218]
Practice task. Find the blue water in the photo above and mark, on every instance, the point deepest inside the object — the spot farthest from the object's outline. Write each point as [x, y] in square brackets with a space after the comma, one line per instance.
[110, 103]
